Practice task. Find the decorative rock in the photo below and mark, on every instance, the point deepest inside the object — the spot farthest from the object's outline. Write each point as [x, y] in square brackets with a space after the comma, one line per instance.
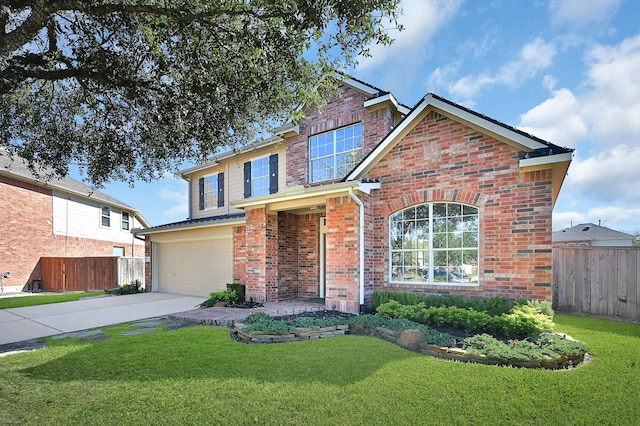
[410, 339]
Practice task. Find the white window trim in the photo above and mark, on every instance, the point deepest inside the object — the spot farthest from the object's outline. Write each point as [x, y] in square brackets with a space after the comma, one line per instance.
[215, 190]
[431, 282]
[334, 154]
[261, 157]
[102, 216]
[128, 221]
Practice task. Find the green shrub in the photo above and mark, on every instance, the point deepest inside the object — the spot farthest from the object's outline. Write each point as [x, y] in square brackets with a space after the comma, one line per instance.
[257, 317]
[240, 290]
[133, 288]
[492, 305]
[522, 320]
[546, 346]
[228, 296]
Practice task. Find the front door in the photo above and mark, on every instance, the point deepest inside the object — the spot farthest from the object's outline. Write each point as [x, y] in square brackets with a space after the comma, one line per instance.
[323, 255]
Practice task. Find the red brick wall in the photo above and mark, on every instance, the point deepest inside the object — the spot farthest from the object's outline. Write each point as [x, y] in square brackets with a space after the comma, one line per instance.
[308, 255]
[287, 256]
[342, 289]
[26, 228]
[451, 162]
[262, 255]
[340, 112]
[240, 254]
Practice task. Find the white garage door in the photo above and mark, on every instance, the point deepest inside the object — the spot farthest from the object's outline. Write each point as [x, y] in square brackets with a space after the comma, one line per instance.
[194, 268]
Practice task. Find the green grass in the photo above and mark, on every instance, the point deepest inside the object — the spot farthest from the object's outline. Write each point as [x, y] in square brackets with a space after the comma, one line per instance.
[42, 299]
[198, 375]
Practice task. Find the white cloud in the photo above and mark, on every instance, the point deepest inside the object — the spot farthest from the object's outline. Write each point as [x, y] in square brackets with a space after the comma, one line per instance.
[607, 176]
[556, 120]
[601, 119]
[577, 14]
[612, 102]
[533, 58]
[178, 201]
[568, 219]
[615, 217]
[421, 20]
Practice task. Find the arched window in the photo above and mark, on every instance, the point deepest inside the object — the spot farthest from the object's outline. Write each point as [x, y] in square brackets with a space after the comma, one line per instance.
[434, 243]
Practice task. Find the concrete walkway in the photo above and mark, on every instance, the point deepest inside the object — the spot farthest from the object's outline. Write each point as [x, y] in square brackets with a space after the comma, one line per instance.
[31, 322]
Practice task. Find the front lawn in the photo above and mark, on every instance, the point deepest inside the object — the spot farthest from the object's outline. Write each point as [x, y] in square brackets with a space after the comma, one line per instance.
[199, 375]
[43, 299]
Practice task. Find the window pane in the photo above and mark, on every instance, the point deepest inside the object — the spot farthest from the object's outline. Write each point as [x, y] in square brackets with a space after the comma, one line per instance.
[211, 191]
[452, 234]
[340, 148]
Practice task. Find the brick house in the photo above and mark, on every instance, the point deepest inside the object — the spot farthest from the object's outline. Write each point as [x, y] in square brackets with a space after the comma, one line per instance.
[368, 195]
[60, 218]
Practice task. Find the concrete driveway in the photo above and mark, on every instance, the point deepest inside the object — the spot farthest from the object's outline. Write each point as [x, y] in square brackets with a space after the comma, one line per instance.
[31, 322]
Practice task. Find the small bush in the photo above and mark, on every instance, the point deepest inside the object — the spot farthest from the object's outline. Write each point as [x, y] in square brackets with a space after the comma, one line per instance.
[521, 321]
[228, 296]
[491, 305]
[240, 290]
[134, 287]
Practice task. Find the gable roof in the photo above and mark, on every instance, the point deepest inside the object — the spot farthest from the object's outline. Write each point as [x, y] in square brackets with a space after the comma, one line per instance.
[376, 98]
[589, 232]
[17, 168]
[535, 153]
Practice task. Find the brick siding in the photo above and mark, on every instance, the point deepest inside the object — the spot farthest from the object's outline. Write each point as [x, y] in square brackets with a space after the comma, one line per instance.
[27, 233]
[456, 163]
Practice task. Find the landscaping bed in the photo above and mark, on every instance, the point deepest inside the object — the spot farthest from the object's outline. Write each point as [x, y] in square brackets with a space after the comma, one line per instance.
[523, 336]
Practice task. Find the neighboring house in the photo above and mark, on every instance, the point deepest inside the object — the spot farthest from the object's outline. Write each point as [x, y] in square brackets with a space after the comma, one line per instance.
[367, 195]
[60, 218]
[588, 234]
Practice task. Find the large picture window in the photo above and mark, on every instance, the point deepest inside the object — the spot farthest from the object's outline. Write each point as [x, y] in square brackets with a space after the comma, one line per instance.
[434, 243]
[333, 154]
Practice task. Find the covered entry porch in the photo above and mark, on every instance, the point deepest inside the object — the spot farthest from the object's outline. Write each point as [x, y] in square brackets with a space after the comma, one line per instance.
[305, 243]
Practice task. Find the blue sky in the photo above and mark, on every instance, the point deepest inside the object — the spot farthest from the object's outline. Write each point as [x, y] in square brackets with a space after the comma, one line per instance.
[567, 71]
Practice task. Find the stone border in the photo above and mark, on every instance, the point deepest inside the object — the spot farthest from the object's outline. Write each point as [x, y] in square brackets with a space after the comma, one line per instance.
[408, 339]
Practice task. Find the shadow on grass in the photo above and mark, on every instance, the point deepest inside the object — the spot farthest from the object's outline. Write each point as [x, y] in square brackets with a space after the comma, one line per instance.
[209, 353]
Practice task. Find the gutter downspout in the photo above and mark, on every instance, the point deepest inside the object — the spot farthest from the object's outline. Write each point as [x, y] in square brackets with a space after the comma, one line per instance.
[358, 201]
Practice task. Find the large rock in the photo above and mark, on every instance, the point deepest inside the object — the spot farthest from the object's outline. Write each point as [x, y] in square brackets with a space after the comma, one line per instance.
[410, 339]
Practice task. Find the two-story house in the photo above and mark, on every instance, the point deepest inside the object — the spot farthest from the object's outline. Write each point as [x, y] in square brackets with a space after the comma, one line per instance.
[367, 195]
[59, 218]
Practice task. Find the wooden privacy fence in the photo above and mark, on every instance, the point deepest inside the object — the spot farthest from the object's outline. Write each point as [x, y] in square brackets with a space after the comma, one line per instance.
[89, 273]
[597, 280]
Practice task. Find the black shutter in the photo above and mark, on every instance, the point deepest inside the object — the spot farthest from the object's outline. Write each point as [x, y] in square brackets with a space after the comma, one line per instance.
[220, 189]
[201, 192]
[273, 174]
[247, 179]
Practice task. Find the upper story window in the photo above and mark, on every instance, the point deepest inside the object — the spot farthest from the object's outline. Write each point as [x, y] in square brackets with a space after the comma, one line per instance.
[125, 223]
[333, 154]
[434, 243]
[105, 217]
[211, 190]
[261, 176]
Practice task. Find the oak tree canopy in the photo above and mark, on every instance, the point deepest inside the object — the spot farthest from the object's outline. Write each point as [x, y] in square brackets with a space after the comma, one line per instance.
[131, 89]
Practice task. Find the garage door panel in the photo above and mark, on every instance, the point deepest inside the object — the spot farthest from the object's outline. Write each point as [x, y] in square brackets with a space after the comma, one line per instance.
[195, 267]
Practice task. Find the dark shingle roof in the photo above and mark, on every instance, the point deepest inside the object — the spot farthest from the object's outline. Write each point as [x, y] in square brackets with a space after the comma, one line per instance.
[189, 223]
[17, 168]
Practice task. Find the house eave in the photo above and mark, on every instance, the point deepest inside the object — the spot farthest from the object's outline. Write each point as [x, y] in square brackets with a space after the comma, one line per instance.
[187, 227]
[185, 173]
[432, 103]
[300, 197]
[557, 163]
[386, 100]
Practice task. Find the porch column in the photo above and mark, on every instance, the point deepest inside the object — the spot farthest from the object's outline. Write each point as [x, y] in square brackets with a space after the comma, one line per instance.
[342, 257]
[262, 256]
